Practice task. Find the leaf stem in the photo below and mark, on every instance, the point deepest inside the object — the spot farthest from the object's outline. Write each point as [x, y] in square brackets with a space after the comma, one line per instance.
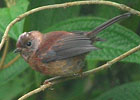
[10, 3]
[11, 62]
[4, 53]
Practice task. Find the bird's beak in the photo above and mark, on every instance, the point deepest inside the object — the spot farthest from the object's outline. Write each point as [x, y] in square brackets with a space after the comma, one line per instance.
[17, 50]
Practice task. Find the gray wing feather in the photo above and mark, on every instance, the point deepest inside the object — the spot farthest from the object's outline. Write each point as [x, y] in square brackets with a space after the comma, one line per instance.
[69, 46]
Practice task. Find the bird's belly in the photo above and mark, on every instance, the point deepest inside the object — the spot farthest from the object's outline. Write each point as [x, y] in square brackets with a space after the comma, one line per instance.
[61, 67]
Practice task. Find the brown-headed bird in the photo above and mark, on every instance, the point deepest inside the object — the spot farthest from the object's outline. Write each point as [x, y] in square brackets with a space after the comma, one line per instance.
[59, 53]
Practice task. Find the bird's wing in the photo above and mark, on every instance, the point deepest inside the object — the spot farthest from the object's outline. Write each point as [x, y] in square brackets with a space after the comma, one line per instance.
[69, 46]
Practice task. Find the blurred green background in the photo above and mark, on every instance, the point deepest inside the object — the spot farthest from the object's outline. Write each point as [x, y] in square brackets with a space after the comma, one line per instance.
[119, 82]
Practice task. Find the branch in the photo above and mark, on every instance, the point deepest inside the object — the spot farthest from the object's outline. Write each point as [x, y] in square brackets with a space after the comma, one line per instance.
[64, 5]
[58, 79]
[61, 79]
[10, 3]
[4, 53]
[11, 62]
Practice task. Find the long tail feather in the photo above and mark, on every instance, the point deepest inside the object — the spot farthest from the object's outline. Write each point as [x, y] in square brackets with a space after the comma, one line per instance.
[108, 23]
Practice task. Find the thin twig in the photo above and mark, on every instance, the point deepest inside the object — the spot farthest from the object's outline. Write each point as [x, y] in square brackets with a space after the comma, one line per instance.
[10, 3]
[11, 62]
[4, 53]
[56, 80]
[114, 4]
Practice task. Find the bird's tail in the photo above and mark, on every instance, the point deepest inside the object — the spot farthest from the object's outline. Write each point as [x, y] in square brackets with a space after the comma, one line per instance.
[92, 34]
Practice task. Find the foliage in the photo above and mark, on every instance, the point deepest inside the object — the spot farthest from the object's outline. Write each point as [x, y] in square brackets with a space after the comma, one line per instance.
[113, 84]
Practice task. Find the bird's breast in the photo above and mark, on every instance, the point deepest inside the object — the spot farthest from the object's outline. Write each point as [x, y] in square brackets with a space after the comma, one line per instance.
[59, 68]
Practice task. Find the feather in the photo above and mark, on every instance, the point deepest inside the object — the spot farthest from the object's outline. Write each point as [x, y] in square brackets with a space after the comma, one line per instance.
[69, 46]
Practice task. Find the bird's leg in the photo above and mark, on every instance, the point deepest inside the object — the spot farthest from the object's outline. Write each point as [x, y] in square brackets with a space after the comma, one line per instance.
[79, 73]
[51, 79]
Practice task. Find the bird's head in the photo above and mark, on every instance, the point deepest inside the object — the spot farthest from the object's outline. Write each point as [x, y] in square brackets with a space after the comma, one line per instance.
[28, 42]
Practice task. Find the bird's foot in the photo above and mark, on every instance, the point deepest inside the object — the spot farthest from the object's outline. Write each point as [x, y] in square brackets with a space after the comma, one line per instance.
[51, 79]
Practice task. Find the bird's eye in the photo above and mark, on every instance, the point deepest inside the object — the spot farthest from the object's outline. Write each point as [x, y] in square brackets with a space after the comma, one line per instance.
[29, 44]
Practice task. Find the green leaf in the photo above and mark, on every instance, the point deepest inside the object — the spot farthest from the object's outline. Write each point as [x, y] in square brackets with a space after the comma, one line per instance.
[109, 11]
[8, 14]
[18, 86]
[0, 35]
[43, 19]
[74, 88]
[118, 39]
[76, 91]
[129, 91]
[12, 71]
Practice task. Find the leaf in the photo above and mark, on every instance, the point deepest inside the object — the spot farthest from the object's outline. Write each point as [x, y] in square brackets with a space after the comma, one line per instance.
[108, 12]
[71, 90]
[0, 35]
[19, 86]
[118, 38]
[12, 71]
[8, 14]
[43, 19]
[129, 91]
[76, 91]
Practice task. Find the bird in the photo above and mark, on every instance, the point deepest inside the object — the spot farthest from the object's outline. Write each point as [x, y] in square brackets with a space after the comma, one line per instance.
[60, 53]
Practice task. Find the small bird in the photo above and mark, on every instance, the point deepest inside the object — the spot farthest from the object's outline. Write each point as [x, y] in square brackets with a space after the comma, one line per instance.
[59, 53]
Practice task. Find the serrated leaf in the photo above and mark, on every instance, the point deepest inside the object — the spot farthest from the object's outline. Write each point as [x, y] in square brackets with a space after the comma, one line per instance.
[118, 38]
[129, 91]
[8, 14]
[118, 41]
